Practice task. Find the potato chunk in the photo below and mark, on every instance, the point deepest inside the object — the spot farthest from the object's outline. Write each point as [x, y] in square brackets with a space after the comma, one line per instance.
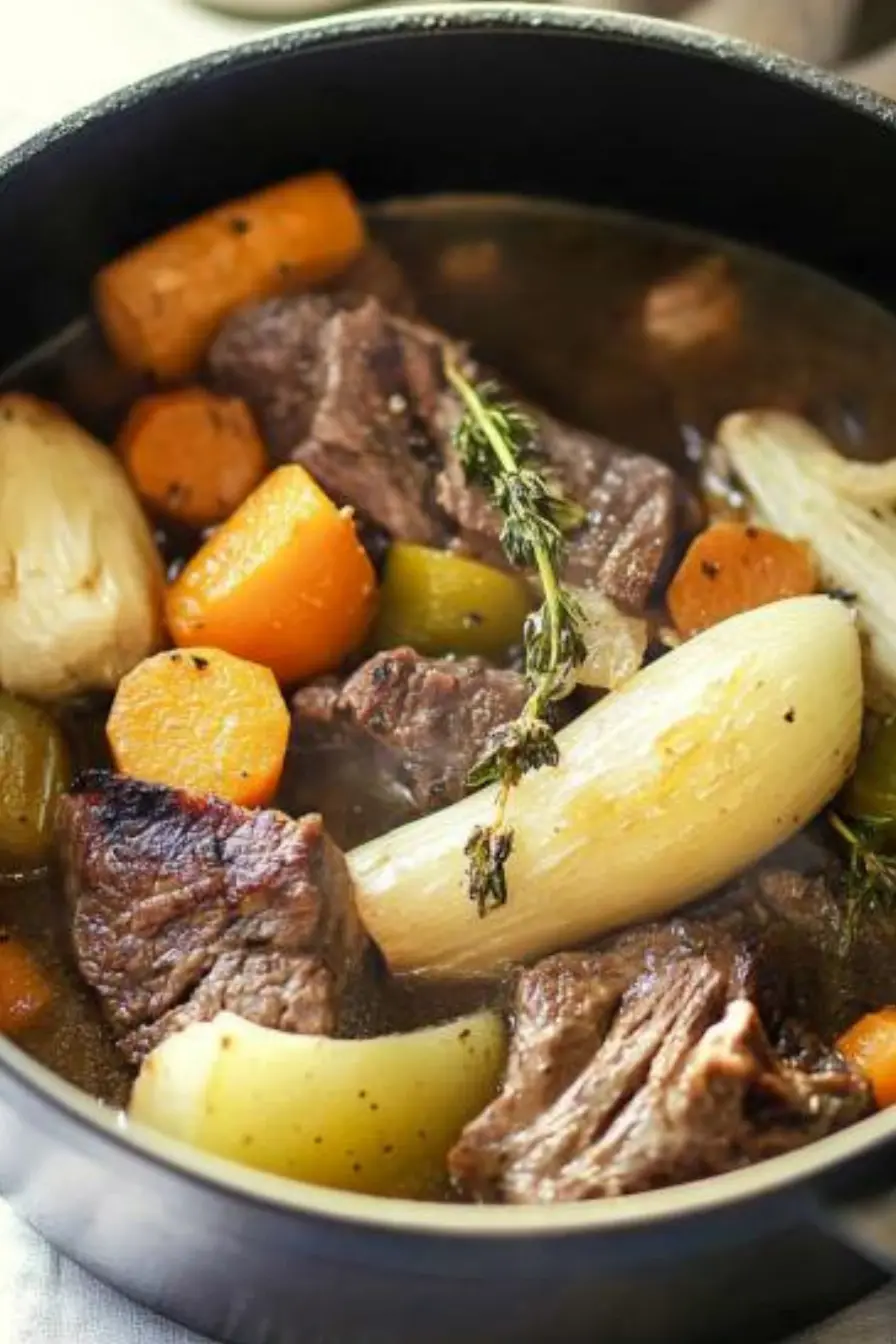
[374, 1115]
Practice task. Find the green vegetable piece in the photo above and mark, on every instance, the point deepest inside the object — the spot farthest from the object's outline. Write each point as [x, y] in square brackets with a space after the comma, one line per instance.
[34, 770]
[872, 790]
[441, 603]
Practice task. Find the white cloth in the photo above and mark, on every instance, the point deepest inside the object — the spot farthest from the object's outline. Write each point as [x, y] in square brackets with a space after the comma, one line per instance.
[43, 1298]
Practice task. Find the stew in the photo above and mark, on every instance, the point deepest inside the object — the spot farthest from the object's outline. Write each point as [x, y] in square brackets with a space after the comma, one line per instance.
[446, 663]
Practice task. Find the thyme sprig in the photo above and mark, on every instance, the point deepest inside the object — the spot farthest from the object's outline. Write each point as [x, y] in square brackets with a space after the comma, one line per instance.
[497, 446]
[870, 884]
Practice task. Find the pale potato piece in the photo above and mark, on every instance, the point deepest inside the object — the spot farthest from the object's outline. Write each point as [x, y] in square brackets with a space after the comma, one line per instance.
[80, 577]
[374, 1115]
[699, 765]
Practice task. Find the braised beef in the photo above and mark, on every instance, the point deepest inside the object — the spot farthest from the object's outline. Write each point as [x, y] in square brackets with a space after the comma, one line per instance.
[182, 906]
[431, 715]
[357, 395]
[344, 392]
[376, 274]
[619, 1084]
[631, 502]
[811, 974]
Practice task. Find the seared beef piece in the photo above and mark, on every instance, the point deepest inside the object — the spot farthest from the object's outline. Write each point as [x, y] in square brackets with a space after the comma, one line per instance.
[617, 1085]
[358, 396]
[432, 715]
[631, 502]
[377, 275]
[185, 905]
[804, 975]
[347, 394]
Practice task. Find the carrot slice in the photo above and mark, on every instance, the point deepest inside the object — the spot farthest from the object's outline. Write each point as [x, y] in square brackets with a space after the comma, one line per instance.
[160, 304]
[202, 721]
[192, 455]
[870, 1044]
[733, 567]
[284, 582]
[24, 989]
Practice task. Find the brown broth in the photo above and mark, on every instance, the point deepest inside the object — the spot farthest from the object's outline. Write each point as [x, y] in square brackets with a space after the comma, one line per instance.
[553, 297]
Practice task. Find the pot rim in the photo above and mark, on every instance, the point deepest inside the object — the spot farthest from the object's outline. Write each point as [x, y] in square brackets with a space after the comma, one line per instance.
[99, 1122]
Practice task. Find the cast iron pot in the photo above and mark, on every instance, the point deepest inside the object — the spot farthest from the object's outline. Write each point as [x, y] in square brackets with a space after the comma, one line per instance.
[621, 112]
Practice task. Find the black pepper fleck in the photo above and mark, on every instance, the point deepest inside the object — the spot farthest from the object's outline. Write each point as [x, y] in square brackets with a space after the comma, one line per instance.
[710, 568]
[199, 663]
[239, 225]
[790, 716]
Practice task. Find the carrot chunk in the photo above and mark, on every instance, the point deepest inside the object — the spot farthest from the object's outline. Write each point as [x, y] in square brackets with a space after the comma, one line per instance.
[161, 303]
[733, 567]
[284, 582]
[202, 721]
[192, 455]
[870, 1044]
[24, 989]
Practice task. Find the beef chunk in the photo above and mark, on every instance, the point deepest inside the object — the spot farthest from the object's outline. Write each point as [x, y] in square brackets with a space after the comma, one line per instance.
[349, 394]
[805, 975]
[432, 715]
[616, 1085]
[631, 502]
[376, 274]
[358, 396]
[184, 905]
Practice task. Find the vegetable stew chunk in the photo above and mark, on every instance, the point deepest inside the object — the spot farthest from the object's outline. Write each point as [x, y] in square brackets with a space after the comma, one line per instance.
[358, 396]
[614, 1088]
[432, 715]
[185, 905]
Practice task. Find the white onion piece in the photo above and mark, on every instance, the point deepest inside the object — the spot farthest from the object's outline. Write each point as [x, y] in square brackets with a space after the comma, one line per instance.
[615, 643]
[799, 485]
[80, 577]
[703, 762]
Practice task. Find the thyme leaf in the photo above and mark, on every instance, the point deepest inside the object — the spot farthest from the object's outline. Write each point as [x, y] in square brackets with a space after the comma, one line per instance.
[870, 884]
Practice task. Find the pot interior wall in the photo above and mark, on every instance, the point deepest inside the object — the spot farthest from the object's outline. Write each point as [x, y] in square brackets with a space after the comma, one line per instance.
[652, 128]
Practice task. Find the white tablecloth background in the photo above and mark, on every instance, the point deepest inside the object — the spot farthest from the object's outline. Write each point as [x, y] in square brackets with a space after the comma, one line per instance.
[96, 46]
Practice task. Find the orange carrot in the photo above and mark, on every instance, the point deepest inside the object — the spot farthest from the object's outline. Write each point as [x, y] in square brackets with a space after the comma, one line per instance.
[870, 1044]
[24, 989]
[192, 455]
[284, 582]
[202, 721]
[161, 303]
[733, 567]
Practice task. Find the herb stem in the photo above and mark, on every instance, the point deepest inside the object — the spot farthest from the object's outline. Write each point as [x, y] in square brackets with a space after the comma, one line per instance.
[477, 411]
[496, 444]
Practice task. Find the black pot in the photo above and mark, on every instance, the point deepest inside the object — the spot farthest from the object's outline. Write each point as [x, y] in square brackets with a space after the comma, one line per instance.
[621, 112]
